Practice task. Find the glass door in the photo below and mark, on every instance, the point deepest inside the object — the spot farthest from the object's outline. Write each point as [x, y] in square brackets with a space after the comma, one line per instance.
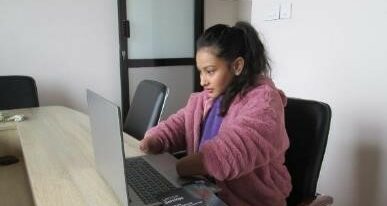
[160, 40]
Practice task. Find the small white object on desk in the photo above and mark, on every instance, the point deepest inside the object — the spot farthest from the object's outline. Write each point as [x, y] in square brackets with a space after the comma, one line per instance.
[16, 118]
[13, 118]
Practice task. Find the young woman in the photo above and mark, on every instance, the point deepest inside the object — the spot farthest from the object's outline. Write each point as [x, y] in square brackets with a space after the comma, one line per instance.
[234, 130]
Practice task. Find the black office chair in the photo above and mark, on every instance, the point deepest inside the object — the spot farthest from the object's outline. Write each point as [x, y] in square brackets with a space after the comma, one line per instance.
[146, 108]
[307, 124]
[17, 92]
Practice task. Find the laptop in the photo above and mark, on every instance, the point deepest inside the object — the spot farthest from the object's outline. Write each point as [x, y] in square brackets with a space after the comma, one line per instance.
[121, 173]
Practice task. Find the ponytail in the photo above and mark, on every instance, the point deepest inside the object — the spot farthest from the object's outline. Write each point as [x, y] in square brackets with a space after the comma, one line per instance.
[255, 51]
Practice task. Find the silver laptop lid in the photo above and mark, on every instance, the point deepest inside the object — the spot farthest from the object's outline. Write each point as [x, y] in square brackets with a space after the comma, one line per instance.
[106, 131]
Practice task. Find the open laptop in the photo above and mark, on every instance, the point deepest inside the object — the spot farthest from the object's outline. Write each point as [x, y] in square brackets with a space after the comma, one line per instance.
[120, 173]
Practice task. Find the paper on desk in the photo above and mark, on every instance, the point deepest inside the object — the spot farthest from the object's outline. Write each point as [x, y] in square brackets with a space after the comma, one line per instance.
[206, 192]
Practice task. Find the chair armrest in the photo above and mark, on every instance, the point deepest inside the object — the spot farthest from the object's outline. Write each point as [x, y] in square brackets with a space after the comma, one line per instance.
[319, 200]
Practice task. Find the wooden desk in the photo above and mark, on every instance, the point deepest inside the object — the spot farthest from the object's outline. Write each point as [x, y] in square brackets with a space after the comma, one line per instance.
[56, 156]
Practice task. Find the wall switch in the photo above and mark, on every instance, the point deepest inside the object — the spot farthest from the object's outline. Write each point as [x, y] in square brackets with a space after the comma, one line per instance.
[285, 10]
[272, 11]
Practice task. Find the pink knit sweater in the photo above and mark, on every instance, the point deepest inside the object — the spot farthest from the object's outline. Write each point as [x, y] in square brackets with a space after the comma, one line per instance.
[247, 156]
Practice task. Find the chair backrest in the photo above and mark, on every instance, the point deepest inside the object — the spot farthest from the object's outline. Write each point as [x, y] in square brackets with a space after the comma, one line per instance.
[146, 108]
[18, 92]
[307, 124]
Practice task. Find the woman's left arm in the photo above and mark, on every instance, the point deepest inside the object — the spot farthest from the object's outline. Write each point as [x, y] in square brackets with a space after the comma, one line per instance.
[252, 139]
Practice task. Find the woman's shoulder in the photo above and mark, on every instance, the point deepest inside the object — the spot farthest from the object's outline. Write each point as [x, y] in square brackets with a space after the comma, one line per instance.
[198, 97]
[263, 86]
[265, 91]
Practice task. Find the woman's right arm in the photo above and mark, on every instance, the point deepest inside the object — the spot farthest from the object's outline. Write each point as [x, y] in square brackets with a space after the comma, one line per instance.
[168, 135]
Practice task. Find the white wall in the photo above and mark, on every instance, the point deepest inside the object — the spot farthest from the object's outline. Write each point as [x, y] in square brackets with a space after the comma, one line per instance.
[226, 12]
[335, 51]
[67, 46]
[244, 10]
[220, 11]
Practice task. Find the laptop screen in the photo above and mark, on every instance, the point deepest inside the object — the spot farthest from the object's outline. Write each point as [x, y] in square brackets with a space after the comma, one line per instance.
[106, 131]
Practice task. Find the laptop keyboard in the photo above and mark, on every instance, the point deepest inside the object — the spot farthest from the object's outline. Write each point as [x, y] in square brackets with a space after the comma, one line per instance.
[147, 182]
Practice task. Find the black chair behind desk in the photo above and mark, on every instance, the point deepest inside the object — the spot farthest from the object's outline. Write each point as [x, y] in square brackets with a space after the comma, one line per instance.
[17, 92]
[146, 108]
[307, 124]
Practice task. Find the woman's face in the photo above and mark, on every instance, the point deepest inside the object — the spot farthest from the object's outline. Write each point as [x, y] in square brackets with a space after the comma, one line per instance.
[215, 73]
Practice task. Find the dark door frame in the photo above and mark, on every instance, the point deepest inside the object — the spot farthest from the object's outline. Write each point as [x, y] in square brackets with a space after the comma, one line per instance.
[125, 63]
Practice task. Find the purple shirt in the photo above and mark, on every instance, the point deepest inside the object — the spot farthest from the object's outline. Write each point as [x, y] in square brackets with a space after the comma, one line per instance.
[212, 122]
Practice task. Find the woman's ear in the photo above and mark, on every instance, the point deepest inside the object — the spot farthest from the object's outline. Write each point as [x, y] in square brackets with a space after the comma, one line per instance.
[238, 65]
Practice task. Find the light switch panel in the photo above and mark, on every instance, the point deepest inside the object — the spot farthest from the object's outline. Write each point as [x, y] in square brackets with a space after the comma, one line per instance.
[272, 11]
[285, 10]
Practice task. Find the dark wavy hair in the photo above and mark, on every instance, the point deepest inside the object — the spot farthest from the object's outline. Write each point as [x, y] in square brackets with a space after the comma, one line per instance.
[229, 43]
